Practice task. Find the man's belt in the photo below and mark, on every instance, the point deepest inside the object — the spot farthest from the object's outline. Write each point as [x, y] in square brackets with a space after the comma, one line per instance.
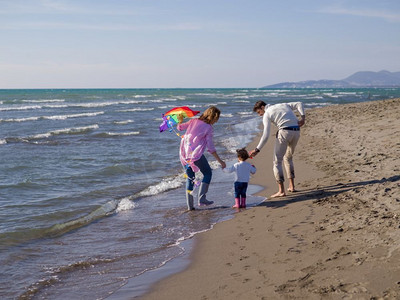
[293, 128]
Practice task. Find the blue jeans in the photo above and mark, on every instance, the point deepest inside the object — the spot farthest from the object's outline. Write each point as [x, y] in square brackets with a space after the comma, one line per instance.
[240, 189]
[205, 169]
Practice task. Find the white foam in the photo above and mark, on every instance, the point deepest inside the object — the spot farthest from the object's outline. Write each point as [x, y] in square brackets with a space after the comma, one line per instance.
[123, 133]
[245, 113]
[125, 204]
[165, 185]
[59, 117]
[20, 119]
[227, 115]
[232, 143]
[44, 100]
[135, 109]
[85, 105]
[3, 141]
[123, 122]
[64, 117]
[28, 107]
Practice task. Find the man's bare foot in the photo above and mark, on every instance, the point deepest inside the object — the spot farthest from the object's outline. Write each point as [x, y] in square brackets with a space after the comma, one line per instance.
[278, 194]
[292, 190]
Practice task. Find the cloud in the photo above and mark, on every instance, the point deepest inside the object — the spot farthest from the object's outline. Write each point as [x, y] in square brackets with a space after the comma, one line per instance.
[385, 15]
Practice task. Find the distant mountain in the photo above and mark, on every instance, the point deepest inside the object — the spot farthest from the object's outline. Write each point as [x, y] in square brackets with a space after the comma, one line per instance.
[357, 80]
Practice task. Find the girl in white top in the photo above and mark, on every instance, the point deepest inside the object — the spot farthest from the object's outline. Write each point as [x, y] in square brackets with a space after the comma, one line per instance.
[242, 171]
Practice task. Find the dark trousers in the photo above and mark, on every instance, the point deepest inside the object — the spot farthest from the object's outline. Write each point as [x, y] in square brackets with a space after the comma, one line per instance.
[240, 189]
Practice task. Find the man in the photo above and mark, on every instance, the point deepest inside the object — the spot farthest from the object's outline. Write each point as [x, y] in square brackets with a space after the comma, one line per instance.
[283, 116]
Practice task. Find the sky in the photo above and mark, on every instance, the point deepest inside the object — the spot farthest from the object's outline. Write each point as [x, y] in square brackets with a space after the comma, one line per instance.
[193, 43]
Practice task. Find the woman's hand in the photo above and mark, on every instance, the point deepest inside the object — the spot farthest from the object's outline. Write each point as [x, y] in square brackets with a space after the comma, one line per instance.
[223, 164]
[180, 118]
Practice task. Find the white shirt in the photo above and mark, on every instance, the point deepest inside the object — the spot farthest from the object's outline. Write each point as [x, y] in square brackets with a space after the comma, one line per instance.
[282, 116]
[242, 171]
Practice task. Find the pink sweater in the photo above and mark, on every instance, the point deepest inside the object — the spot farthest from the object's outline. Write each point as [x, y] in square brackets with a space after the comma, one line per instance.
[198, 137]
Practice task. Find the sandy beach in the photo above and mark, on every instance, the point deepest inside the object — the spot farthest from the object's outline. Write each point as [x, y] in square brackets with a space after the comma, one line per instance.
[338, 237]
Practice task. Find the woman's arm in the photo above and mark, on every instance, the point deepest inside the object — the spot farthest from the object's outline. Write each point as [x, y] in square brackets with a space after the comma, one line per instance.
[221, 162]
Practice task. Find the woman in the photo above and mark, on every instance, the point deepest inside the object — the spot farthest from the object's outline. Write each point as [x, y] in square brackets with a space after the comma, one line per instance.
[198, 137]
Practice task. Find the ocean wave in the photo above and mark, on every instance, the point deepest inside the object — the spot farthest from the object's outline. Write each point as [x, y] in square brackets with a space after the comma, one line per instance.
[165, 185]
[172, 105]
[84, 105]
[227, 115]
[123, 122]
[231, 144]
[81, 115]
[43, 100]
[27, 184]
[136, 109]
[125, 204]
[210, 104]
[114, 134]
[104, 210]
[73, 130]
[317, 104]
[56, 117]
[29, 234]
[28, 107]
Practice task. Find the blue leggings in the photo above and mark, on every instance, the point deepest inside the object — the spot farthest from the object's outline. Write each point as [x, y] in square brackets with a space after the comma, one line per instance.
[205, 169]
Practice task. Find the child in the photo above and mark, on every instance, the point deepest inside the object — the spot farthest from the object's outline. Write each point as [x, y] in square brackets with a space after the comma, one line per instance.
[242, 171]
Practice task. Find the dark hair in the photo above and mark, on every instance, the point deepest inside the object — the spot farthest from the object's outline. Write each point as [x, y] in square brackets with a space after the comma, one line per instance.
[210, 115]
[242, 154]
[258, 105]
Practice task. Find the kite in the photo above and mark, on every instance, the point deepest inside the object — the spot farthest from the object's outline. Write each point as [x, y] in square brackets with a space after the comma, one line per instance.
[170, 118]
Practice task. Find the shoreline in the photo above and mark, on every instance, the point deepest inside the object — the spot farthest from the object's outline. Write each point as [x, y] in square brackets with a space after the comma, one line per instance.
[321, 241]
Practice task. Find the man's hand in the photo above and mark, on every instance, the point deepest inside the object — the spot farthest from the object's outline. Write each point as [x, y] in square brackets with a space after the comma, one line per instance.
[302, 121]
[253, 153]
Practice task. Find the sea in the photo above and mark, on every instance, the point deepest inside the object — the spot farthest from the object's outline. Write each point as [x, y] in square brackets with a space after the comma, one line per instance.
[92, 197]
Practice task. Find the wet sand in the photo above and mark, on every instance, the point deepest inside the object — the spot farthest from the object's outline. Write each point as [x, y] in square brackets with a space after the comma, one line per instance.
[337, 238]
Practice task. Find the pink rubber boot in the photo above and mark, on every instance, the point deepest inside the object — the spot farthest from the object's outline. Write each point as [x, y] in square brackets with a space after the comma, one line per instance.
[237, 205]
[242, 202]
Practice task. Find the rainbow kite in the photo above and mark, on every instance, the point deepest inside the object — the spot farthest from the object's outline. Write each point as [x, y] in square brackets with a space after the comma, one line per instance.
[170, 118]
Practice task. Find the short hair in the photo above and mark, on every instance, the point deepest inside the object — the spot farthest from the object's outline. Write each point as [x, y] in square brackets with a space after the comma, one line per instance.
[210, 115]
[258, 105]
[242, 154]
